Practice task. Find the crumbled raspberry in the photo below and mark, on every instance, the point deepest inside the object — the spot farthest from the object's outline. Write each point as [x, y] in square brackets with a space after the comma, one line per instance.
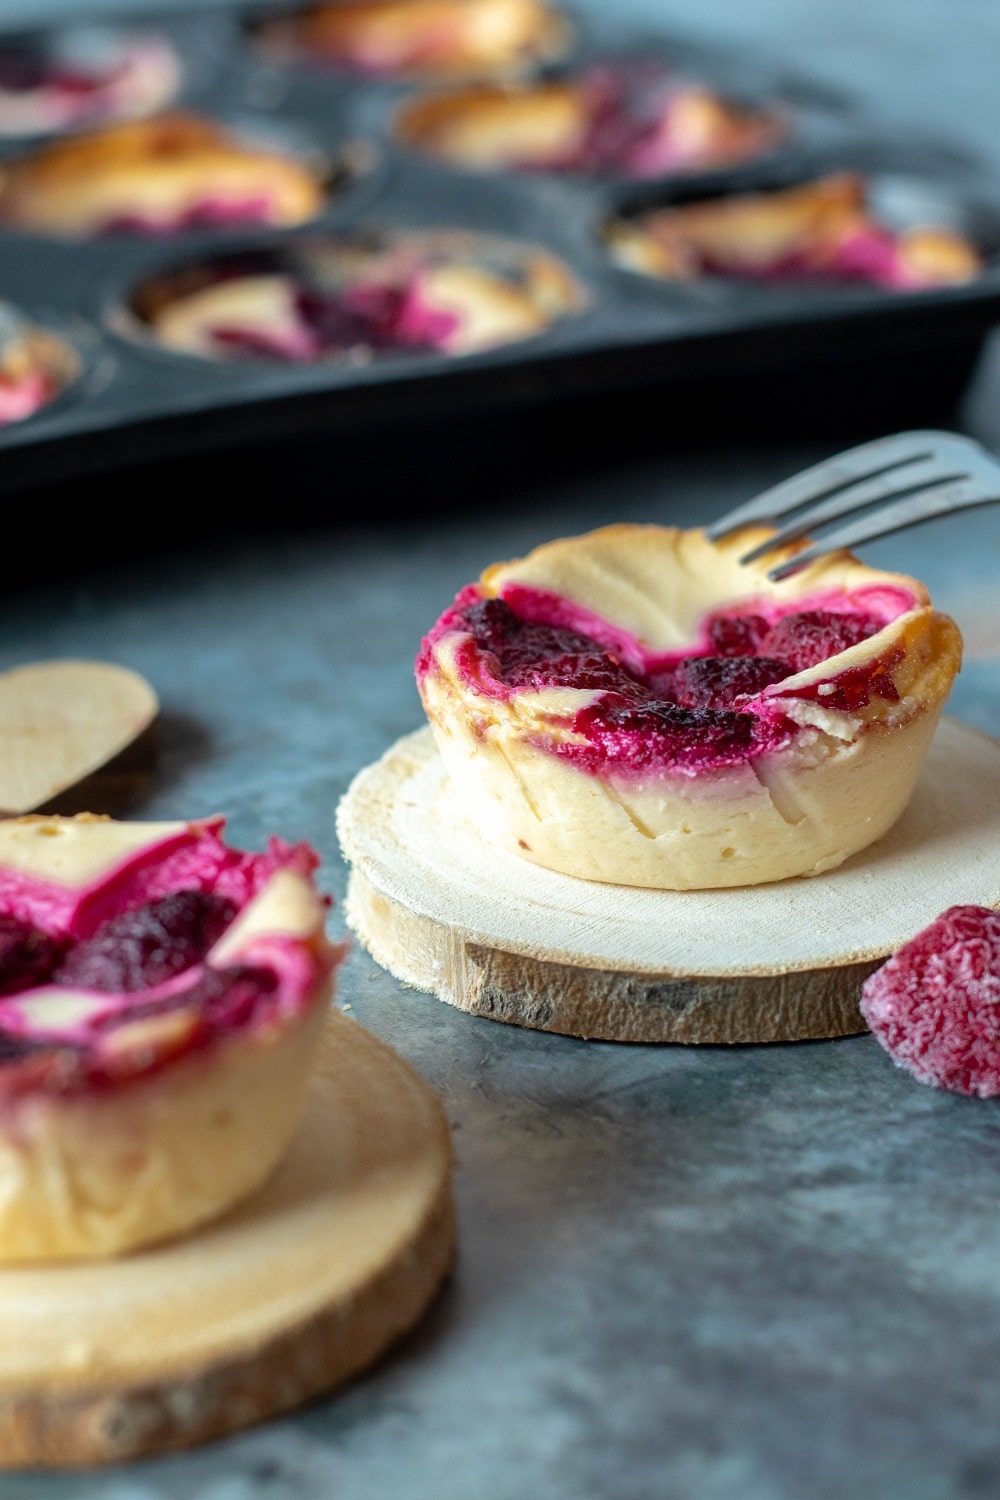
[376, 315]
[28, 957]
[333, 324]
[653, 734]
[737, 635]
[854, 689]
[149, 944]
[717, 681]
[626, 109]
[935, 1005]
[808, 638]
[639, 722]
[540, 656]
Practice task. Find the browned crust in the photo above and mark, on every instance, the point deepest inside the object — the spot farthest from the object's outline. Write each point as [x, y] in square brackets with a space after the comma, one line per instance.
[157, 144]
[169, 146]
[334, 30]
[605, 1004]
[421, 120]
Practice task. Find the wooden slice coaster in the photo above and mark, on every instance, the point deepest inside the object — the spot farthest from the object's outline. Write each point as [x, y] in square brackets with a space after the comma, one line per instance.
[76, 735]
[500, 937]
[286, 1296]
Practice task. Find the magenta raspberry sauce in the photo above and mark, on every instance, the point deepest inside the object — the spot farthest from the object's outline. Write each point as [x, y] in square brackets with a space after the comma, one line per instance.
[688, 710]
[80, 964]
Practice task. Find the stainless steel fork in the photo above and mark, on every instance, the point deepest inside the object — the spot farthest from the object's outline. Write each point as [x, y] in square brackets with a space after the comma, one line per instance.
[889, 484]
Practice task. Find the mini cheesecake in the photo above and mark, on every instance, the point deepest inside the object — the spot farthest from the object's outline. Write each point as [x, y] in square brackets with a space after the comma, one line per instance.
[35, 366]
[633, 122]
[818, 231]
[156, 177]
[637, 706]
[161, 997]
[83, 75]
[417, 294]
[422, 38]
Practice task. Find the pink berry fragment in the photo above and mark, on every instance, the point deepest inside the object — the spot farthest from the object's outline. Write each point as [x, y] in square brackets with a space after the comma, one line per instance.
[718, 681]
[935, 1005]
[27, 955]
[141, 948]
[814, 635]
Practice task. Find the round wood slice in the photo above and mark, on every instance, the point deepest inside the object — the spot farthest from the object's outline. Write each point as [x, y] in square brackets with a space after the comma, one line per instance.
[286, 1296]
[77, 735]
[500, 937]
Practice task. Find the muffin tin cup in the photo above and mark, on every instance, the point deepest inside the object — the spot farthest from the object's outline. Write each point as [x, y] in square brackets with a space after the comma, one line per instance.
[635, 331]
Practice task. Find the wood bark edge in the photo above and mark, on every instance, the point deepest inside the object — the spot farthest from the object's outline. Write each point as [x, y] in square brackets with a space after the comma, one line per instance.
[545, 994]
[107, 1426]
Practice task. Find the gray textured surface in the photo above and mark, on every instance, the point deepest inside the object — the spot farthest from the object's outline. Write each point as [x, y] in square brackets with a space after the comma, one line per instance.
[756, 1274]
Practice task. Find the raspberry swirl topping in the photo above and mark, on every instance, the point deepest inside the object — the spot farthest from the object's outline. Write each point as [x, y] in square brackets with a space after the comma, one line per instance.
[823, 230]
[641, 121]
[320, 323]
[723, 701]
[82, 75]
[172, 948]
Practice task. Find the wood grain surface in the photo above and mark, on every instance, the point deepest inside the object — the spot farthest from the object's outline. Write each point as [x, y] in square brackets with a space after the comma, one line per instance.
[500, 937]
[73, 734]
[287, 1296]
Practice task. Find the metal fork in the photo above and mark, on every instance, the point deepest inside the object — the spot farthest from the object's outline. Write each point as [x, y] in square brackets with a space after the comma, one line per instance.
[910, 477]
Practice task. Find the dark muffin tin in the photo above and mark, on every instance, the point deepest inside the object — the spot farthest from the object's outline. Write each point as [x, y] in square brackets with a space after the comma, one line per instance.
[135, 400]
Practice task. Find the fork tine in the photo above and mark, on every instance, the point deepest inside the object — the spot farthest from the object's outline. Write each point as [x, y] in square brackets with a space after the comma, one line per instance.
[918, 474]
[864, 462]
[944, 498]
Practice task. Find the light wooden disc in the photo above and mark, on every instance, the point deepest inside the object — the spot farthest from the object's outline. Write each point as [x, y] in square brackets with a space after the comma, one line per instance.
[67, 722]
[501, 937]
[286, 1296]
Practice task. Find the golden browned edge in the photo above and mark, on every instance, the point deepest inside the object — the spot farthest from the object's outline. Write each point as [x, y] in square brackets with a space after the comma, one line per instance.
[552, 994]
[103, 1425]
[415, 117]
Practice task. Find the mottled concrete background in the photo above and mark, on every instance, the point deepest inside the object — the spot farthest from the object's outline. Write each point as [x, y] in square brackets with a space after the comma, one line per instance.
[747, 1274]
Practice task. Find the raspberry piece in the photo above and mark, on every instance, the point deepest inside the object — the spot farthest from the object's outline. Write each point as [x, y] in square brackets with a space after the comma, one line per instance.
[717, 681]
[145, 946]
[225, 999]
[684, 716]
[808, 638]
[334, 325]
[737, 635]
[28, 957]
[935, 1005]
[540, 656]
[657, 733]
